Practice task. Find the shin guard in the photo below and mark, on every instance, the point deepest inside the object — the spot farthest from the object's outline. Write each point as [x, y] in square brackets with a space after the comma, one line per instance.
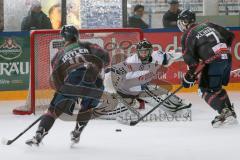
[217, 99]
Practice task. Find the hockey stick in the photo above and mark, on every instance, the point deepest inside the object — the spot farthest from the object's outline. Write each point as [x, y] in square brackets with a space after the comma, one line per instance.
[133, 123]
[130, 108]
[133, 110]
[198, 70]
[9, 142]
[171, 110]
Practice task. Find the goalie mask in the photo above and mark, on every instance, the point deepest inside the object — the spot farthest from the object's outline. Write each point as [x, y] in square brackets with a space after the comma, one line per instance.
[144, 51]
[185, 19]
[69, 33]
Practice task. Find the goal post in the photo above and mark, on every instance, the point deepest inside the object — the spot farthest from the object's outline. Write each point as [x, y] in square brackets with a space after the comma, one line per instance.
[44, 44]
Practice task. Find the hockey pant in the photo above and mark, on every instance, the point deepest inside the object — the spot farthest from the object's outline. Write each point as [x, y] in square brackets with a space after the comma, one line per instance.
[62, 106]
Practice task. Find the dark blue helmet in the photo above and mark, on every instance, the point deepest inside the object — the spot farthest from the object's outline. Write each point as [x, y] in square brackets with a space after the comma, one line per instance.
[185, 18]
[69, 33]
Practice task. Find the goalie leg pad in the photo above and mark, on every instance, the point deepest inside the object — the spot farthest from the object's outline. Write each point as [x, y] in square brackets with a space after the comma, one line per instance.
[127, 100]
[172, 105]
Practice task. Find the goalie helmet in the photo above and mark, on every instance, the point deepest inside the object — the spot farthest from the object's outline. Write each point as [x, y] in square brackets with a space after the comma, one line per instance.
[185, 19]
[144, 51]
[69, 33]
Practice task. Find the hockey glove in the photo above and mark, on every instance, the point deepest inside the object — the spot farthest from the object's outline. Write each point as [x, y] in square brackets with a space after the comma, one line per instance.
[170, 57]
[189, 80]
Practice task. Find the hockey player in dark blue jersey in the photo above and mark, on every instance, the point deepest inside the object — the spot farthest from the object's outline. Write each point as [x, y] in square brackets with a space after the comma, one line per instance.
[76, 74]
[208, 44]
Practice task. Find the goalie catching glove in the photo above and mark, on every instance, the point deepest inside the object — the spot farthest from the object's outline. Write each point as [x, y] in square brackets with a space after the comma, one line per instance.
[171, 57]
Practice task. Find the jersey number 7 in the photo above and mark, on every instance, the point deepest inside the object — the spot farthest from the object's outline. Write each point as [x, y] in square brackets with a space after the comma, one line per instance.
[214, 35]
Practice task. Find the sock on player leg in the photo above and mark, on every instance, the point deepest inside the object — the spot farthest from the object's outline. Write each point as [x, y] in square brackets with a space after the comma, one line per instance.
[217, 100]
[47, 122]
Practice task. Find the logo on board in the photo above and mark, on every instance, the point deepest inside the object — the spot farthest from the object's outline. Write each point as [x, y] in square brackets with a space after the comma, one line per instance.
[10, 50]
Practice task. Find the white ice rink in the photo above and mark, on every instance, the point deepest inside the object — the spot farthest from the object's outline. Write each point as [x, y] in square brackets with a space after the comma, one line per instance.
[195, 140]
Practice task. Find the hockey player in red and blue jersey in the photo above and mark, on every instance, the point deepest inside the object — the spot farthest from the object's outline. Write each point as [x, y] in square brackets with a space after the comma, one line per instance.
[76, 75]
[208, 44]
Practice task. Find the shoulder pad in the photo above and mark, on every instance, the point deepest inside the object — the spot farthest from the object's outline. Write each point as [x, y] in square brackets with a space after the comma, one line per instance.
[85, 44]
[132, 59]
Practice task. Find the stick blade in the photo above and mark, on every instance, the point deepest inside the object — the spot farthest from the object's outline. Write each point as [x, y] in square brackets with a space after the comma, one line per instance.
[4, 141]
[133, 123]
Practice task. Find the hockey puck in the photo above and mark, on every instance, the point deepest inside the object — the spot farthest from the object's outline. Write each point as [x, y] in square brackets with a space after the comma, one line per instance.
[118, 130]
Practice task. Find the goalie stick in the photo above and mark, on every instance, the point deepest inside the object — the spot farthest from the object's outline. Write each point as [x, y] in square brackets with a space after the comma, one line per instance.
[198, 70]
[159, 99]
[9, 142]
[133, 123]
[130, 108]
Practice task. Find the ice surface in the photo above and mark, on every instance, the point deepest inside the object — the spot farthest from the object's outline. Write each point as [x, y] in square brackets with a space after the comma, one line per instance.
[195, 140]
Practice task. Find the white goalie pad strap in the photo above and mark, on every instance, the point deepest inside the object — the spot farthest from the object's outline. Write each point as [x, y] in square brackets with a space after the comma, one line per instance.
[174, 99]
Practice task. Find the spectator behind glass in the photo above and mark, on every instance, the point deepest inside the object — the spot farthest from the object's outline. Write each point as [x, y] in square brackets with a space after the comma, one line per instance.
[55, 16]
[170, 17]
[35, 19]
[136, 21]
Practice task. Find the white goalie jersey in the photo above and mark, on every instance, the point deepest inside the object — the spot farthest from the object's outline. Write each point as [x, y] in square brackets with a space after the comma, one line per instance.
[129, 76]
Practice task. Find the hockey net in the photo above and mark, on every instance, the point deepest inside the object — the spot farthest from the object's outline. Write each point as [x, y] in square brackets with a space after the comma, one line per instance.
[46, 43]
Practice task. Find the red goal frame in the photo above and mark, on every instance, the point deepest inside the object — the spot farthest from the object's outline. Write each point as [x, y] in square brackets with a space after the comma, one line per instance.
[32, 59]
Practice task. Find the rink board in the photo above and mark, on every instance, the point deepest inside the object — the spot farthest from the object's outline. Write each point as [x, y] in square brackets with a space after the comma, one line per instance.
[162, 39]
[21, 95]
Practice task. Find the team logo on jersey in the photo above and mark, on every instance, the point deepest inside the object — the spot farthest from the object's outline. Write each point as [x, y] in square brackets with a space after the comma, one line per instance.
[10, 49]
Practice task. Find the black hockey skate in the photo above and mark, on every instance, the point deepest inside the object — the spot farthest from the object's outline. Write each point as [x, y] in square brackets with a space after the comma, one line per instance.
[227, 117]
[37, 139]
[75, 135]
